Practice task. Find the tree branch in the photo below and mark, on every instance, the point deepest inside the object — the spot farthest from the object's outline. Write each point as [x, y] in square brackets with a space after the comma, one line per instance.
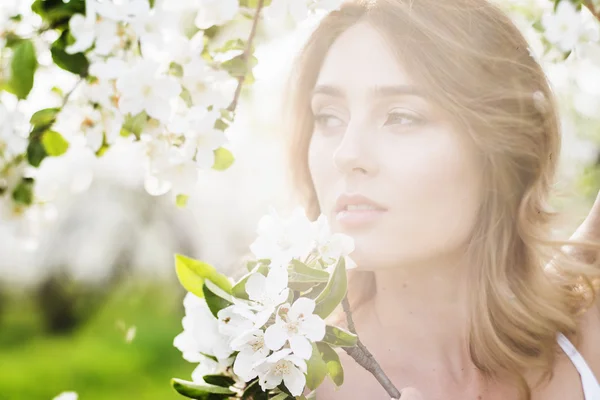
[590, 6]
[365, 359]
[66, 98]
[246, 56]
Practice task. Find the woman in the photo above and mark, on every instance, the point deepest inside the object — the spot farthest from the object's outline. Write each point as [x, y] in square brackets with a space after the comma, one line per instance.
[426, 131]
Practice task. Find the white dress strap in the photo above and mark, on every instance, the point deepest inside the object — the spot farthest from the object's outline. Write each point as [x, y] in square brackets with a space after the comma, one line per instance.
[591, 387]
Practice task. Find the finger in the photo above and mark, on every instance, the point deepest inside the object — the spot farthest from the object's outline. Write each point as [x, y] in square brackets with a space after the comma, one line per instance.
[410, 394]
[593, 218]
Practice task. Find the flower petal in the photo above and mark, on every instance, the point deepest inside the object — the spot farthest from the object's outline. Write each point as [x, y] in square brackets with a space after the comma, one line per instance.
[255, 286]
[295, 381]
[243, 365]
[277, 281]
[301, 346]
[302, 308]
[275, 336]
[313, 327]
[263, 316]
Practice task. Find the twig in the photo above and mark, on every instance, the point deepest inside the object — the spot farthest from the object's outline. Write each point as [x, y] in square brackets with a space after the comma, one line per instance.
[246, 56]
[66, 98]
[365, 359]
[592, 8]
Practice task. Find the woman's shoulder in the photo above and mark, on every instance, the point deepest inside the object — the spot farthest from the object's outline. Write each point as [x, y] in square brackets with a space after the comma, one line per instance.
[588, 342]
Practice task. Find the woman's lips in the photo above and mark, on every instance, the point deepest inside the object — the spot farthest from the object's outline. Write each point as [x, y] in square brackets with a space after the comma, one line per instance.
[357, 210]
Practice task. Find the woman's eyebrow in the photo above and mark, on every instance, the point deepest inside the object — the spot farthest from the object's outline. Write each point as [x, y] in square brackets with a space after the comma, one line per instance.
[378, 91]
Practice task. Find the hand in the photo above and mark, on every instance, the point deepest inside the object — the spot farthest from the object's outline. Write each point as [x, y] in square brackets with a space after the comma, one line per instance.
[589, 230]
[410, 394]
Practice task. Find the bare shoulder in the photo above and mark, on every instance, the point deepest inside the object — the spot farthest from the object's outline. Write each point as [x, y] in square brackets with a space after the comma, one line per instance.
[589, 342]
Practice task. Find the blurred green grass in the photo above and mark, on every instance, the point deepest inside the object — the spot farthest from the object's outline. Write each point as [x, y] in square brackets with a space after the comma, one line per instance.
[96, 361]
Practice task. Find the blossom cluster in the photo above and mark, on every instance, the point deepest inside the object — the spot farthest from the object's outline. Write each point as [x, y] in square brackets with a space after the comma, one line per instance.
[90, 76]
[268, 328]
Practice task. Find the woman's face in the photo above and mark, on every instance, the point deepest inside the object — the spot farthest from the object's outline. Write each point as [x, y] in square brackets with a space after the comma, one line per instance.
[388, 167]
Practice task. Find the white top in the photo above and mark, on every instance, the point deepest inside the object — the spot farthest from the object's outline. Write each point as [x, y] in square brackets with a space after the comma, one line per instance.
[591, 387]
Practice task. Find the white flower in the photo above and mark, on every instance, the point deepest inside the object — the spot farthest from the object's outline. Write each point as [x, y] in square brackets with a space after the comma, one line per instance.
[123, 10]
[171, 171]
[107, 36]
[235, 320]
[142, 88]
[252, 350]
[13, 131]
[280, 240]
[282, 366]
[82, 29]
[101, 92]
[184, 51]
[208, 366]
[215, 12]
[331, 247]
[296, 325]
[564, 27]
[201, 138]
[269, 292]
[207, 86]
[108, 69]
[76, 120]
[200, 334]
[151, 25]
[87, 31]
[67, 396]
[280, 9]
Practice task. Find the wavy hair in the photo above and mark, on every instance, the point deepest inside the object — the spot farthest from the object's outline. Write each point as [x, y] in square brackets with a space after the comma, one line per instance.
[477, 65]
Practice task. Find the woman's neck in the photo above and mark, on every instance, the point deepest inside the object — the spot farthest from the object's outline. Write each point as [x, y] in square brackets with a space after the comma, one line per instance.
[422, 310]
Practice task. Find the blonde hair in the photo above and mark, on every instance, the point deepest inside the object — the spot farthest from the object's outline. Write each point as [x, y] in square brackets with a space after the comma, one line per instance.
[477, 66]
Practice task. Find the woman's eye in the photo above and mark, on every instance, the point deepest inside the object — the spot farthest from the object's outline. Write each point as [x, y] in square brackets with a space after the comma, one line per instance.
[328, 121]
[403, 118]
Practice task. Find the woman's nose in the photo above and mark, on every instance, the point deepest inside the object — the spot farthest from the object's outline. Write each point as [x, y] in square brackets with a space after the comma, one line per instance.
[355, 153]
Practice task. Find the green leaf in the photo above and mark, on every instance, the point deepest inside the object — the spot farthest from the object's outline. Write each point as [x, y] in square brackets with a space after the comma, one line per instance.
[23, 66]
[210, 356]
[36, 152]
[238, 67]
[198, 391]
[44, 117]
[316, 369]
[334, 292]
[254, 392]
[23, 193]
[339, 337]
[223, 159]
[303, 273]
[301, 286]
[54, 143]
[216, 299]
[219, 380]
[315, 291]
[250, 265]
[56, 13]
[233, 44]
[281, 396]
[136, 123]
[332, 360]
[221, 125]
[12, 40]
[75, 63]
[253, 3]
[192, 274]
